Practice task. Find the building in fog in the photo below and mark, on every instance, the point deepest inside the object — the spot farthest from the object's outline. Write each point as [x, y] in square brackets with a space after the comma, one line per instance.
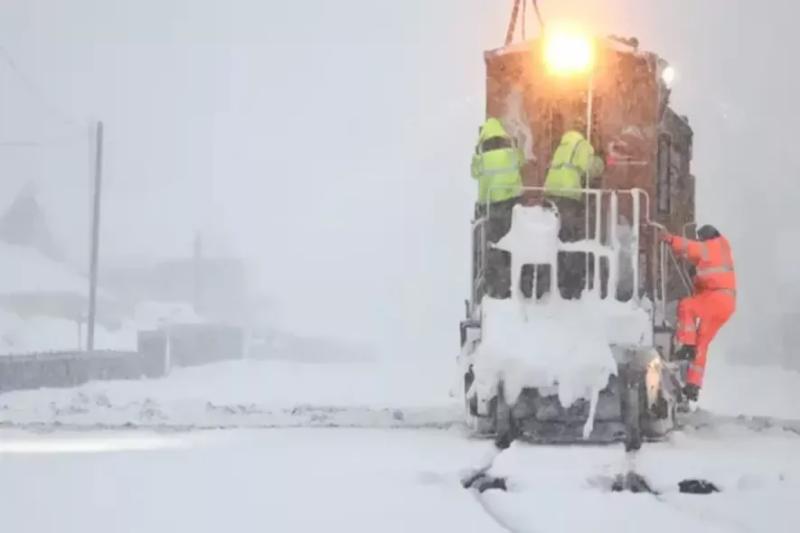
[34, 279]
[24, 223]
[215, 286]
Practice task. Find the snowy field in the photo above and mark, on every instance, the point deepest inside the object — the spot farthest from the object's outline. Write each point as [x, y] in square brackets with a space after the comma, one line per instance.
[261, 480]
[361, 394]
[252, 394]
[566, 489]
[358, 480]
[369, 447]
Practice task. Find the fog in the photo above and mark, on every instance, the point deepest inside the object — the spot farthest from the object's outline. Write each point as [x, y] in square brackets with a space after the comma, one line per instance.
[328, 143]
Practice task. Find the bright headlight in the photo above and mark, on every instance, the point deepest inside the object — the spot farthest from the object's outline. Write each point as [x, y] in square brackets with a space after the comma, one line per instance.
[568, 52]
[668, 75]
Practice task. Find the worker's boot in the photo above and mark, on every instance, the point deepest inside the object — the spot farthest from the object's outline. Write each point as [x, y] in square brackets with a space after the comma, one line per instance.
[686, 352]
[691, 392]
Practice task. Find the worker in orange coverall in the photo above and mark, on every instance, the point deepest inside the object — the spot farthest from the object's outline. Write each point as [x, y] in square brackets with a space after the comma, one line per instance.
[702, 315]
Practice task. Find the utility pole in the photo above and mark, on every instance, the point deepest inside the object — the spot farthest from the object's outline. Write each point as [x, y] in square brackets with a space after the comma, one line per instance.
[95, 246]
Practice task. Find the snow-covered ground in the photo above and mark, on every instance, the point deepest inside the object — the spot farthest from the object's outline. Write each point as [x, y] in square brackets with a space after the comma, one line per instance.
[356, 480]
[253, 393]
[393, 463]
[26, 270]
[752, 390]
[303, 480]
[360, 393]
[567, 489]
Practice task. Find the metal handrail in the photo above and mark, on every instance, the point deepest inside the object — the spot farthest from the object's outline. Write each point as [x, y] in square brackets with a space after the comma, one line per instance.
[684, 277]
[635, 194]
[665, 251]
[479, 274]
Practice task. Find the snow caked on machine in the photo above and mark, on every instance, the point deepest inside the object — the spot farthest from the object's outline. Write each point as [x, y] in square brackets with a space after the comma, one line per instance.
[554, 362]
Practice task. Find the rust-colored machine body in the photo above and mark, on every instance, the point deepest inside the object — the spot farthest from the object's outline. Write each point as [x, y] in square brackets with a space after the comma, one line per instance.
[623, 104]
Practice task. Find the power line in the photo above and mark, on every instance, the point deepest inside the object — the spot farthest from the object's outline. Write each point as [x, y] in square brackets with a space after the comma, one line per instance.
[20, 144]
[538, 15]
[42, 142]
[34, 91]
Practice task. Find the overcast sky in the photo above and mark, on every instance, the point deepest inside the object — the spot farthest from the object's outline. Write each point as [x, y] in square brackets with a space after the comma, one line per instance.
[329, 142]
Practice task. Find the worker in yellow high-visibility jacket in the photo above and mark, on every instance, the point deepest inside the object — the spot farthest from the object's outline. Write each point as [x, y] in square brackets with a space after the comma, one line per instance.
[497, 165]
[572, 169]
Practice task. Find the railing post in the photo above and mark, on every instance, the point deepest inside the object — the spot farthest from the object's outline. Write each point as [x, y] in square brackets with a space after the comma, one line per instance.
[610, 242]
[598, 217]
[636, 226]
[662, 265]
[613, 222]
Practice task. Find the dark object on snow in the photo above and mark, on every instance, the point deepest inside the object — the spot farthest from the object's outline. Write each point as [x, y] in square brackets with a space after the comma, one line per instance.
[707, 232]
[478, 475]
[483, 482]
[504, 440]
[697, 486]
[691, 392]
[631, 482]
[470, 480]
[686, 353]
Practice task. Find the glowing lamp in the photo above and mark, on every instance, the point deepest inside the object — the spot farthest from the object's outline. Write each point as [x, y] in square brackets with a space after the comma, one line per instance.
[668, 75]
[567, 52]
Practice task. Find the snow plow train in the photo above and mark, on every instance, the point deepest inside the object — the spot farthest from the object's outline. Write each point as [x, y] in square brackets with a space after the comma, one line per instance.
[581, 348]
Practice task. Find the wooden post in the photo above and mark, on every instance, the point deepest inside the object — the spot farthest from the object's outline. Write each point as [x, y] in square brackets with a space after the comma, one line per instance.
[95, 246]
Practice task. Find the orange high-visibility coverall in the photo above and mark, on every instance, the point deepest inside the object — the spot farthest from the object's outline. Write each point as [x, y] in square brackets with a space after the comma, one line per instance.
[702, 315]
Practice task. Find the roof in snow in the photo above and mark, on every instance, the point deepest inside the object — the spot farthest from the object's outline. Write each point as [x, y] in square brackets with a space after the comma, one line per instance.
[25, 270]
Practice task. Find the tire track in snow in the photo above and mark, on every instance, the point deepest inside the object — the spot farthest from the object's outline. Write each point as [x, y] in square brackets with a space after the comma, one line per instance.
[706, 515]
[487, 508]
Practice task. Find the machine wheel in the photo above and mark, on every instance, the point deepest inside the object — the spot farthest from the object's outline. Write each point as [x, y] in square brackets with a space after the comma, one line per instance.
[631, 385]
[506, 430]
[481, 425]
[502, 411]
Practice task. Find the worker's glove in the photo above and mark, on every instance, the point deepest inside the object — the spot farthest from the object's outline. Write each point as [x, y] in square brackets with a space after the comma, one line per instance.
[667, 237]
[686, 353]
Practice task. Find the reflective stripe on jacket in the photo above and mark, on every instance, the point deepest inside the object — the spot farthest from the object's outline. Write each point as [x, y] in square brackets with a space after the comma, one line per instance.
[498, 170]
[570, 165]
[714, 262]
